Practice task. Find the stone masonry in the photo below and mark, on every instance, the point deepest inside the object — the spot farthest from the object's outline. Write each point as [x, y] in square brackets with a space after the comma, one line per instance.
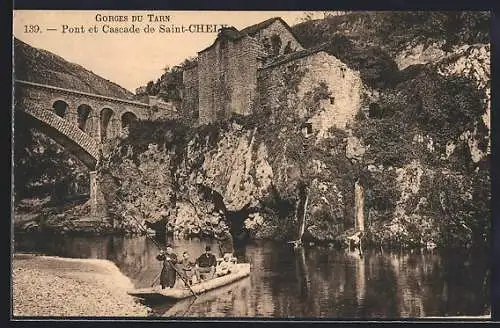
[244, 67]
[34, 95]
[79, 121]
[344, 85]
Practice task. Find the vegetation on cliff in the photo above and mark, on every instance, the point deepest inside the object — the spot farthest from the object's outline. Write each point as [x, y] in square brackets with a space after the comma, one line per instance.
[393, 31]
[43, 167]
[424, 162]
[370, 41]
[424, 121]
[169, 85]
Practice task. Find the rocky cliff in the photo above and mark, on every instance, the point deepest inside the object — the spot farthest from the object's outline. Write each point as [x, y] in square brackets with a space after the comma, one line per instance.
[419, 146]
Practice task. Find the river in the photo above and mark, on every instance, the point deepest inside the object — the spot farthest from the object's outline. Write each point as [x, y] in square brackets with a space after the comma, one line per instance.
[313, 282]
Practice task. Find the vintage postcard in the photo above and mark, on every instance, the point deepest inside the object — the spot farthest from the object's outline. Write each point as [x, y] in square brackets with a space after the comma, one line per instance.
[251, 164]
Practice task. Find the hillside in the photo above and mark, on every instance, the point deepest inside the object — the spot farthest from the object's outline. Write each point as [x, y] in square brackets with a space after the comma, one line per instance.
[385, 46]
[394, 31]
[419, 146]
[43, 166]
[41, 66]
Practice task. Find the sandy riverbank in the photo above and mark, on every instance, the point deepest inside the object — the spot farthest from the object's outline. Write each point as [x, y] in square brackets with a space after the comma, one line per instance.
[55, 286]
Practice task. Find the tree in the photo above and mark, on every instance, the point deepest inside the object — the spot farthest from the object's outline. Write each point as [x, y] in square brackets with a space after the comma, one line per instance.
[150, 88]
[40, 161]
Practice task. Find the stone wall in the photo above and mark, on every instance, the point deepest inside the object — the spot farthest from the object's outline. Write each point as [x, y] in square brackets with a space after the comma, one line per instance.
[242, 75]
[162, 110]
[227, 78]
[277, 28]
[190, 91]
[344, 84]
[32, 95]
[206, 67]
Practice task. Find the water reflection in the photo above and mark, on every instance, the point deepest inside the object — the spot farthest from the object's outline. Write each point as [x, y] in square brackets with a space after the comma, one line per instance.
[306, 282]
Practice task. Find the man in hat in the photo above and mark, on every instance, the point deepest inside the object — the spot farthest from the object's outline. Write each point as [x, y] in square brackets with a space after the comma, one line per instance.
[168, 274]
[205, 264]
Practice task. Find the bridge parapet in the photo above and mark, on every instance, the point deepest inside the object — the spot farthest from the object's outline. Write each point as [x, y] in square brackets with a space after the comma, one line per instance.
[89, 120]
[83, 123]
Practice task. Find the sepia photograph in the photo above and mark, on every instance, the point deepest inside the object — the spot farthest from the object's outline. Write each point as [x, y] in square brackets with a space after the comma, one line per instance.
[251, 164]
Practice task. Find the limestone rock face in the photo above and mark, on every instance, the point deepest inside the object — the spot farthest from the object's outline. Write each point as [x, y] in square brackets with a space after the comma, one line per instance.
[251, 170]
[191, 193]
[472, 61]
[238, 169]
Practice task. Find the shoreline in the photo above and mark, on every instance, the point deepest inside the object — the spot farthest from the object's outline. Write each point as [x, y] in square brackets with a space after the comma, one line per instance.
[67, 287]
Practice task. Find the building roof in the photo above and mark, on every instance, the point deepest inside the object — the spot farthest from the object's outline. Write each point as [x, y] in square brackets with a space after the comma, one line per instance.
[230, 32]
[233, 34]
[282, 59]
[253, 29]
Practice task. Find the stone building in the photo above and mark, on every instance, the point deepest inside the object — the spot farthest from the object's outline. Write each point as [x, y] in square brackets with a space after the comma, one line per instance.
[244, 68]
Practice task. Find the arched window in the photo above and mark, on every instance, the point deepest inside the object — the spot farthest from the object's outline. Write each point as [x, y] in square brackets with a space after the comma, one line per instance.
[83, 116]
[60, 108]
[127, 119]
[105, 118]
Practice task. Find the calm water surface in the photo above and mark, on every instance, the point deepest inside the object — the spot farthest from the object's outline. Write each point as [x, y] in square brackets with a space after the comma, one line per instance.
[309, 283]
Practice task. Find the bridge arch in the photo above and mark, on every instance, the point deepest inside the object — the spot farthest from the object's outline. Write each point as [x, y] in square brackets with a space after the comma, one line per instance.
[83, 115]
[127, 119]
[77, 142]
[105, 118]
[60, 107]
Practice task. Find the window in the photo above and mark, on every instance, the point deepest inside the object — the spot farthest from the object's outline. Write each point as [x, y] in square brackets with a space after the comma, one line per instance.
[309, 128]
[342, 71]
[276, 44]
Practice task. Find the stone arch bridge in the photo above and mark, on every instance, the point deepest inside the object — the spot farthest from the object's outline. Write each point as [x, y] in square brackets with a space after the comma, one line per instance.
[81, 122]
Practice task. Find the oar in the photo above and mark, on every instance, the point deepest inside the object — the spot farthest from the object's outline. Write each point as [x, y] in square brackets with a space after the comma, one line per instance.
[156, 278]
[171, 265]
[159, 247]
[189, 307]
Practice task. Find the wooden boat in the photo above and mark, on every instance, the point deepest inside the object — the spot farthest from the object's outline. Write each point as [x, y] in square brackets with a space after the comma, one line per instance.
[222, 295]
[239, 271]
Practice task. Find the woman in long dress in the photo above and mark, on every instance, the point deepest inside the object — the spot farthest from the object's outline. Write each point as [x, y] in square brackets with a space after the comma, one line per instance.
[168, 274]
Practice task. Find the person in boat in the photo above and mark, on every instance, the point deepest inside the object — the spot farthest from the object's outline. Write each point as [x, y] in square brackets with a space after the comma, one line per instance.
[205, 264]
[225, 241]
[168, 274]
[225, 266]
[186, 268]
